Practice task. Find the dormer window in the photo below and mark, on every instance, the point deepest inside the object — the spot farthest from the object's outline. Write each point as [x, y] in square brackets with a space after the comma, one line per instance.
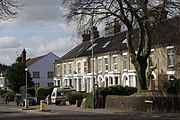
[90, 48]
[80, 50]
[106, 44]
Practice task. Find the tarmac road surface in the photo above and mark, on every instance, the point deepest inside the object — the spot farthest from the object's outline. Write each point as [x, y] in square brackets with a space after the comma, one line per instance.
[53, 112]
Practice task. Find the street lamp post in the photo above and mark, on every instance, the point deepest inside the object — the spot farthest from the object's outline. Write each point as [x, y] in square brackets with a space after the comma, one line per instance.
[26, 101]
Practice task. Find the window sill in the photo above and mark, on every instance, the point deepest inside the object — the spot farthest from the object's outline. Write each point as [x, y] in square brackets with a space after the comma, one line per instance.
[170, 66]
[100, 72]
[125, 70]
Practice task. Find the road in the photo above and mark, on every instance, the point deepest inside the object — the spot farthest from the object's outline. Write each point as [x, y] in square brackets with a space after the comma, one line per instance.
[52, 112]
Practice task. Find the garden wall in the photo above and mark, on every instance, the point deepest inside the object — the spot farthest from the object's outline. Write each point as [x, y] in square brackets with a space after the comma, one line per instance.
[143, 103]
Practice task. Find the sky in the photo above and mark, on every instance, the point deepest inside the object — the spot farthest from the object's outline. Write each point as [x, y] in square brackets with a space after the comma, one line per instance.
[40, 28]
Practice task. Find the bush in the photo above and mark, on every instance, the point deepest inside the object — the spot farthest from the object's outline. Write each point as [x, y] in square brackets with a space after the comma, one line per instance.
[117, 90]
[2, 92]
[89, 101]
[129, 90]
[72, 97]
[11, 95]
[30, 90]
[172, 87]
[42, 93]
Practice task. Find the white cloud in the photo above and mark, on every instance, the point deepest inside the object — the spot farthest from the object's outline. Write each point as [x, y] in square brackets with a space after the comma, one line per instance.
[8, 56]
[9, 42]
[40, 29]
[9, 50]
[39, 12]
[41, 46]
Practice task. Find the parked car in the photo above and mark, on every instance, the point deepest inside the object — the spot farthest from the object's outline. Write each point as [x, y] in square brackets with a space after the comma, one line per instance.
[22, 97]
[59, 94]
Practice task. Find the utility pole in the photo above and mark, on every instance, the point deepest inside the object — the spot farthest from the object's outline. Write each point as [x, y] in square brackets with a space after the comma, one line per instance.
[92, 41]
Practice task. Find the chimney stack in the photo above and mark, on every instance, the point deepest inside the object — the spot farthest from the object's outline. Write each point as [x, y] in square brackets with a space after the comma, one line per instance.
[24, 57]
[94, 33]
[112, 28]
[86, 36]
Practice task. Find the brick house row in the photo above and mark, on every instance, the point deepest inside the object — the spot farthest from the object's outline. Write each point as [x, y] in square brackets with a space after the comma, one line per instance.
[110, 61]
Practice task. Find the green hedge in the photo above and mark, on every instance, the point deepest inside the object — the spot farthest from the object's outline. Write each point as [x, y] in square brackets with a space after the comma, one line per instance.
[42, 93]
[73, 96]
[172, 87]
[88, 102]
[101, 93]
[117, 90]
[10, 95]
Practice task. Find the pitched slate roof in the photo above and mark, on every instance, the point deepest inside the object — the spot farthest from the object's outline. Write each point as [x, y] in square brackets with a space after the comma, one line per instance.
[30, 61]
[166, 33]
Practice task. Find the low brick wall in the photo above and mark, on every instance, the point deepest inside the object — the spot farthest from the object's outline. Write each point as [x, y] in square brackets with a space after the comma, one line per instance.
[143, 103]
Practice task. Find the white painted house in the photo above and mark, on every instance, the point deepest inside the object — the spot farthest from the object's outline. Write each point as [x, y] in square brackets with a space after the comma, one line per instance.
[2, 81]
[41, 69]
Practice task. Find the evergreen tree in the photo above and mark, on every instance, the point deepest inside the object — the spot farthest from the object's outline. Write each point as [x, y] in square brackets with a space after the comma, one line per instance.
[16, 76]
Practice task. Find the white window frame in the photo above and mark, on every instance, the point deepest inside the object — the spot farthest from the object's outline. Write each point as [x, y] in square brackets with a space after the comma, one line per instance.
[99, 64]
[115, 63]
[93, 64]
[106, 66]
[125, 61]
[65, 68]
[70, 67]
[78, 64]
[58, 69]
[170, 56]
[85, 66]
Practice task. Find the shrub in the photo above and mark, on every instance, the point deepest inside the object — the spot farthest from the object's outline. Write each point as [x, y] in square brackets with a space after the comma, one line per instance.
[2, 92]
[73, 96]
[129, 90]
[30, 90]
[42, 93]
[172, 87]
[89, 101]
[11, 95]
[117, 90]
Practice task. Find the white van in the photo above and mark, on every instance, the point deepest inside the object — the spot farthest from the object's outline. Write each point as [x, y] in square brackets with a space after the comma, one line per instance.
[59, 93]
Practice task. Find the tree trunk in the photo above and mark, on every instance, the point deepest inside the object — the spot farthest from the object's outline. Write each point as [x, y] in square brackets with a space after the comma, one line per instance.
[141, 73]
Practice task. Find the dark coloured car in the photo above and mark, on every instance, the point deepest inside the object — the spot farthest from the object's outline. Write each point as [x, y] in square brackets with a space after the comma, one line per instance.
[29, 98]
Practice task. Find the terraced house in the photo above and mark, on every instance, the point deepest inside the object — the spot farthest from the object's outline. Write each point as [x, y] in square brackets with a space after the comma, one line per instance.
[107, 58]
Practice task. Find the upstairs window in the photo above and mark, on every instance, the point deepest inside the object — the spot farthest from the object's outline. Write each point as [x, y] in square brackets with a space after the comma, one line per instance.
[70, 68]
[36, 74]
[170, 56]
[64, 68]
[50, 74]
[106, 64]
[58, 70]
[79, 68]
[100, 65]
[85, 67]
[93, 62]
[125, 62]
[115, 61]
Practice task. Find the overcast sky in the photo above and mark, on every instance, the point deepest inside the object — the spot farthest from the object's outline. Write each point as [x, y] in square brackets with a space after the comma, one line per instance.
[40, 29]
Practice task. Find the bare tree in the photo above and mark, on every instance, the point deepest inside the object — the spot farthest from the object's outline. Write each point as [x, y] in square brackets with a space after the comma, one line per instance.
[8, 9]
[144, 14]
